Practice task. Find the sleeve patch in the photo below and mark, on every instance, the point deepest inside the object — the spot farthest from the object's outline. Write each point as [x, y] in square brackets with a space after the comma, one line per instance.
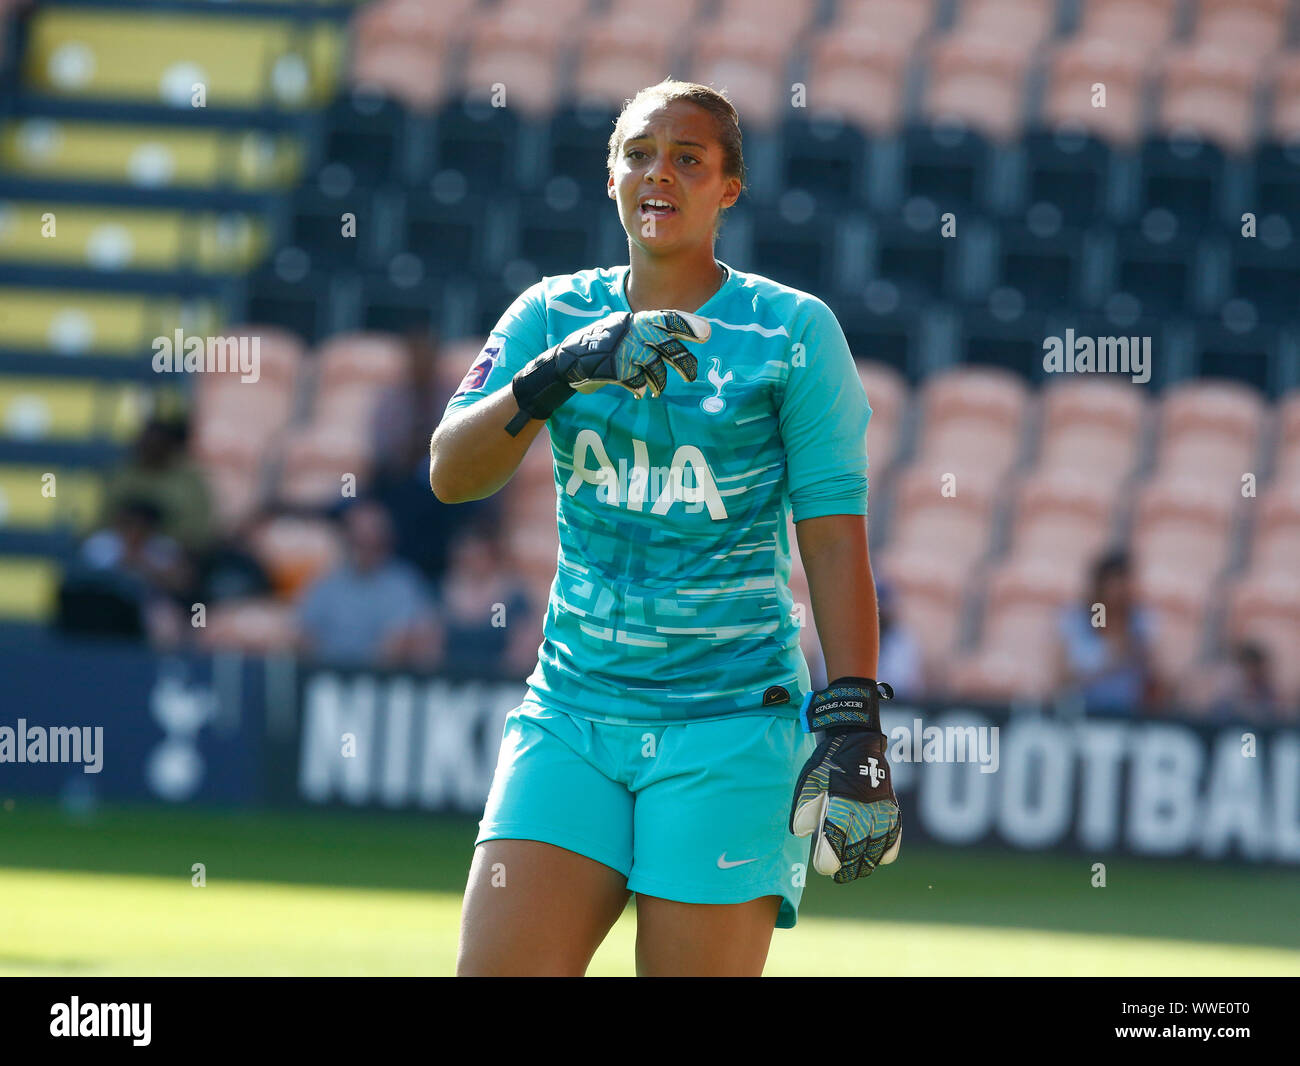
[479, 371]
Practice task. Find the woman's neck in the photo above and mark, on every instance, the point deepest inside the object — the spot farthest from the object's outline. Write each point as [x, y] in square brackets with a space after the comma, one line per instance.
[655, 284]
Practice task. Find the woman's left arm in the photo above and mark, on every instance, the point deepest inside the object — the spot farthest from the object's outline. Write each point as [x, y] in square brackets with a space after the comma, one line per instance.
[836, 560]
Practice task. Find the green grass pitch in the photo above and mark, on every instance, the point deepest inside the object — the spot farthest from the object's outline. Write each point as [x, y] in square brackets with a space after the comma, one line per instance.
[323, 893]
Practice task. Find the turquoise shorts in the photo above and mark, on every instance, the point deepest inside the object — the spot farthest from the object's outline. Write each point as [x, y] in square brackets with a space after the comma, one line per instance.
[696, 812]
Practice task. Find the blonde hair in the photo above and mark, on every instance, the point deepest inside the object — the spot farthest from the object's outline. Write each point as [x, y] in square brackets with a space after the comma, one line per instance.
[725, 120]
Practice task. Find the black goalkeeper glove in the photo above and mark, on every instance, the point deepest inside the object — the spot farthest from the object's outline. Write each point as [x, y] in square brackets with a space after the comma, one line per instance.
[623, 348]
[844, 792]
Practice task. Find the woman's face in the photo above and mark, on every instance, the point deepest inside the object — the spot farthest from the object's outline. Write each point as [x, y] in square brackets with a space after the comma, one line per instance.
[671, 153]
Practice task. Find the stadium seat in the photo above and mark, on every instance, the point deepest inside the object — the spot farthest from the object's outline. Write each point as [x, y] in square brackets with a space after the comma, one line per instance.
[1249, 27]
[796, 252]
[887, 333]
[918, 260]
[1026, 22]
[1082, 63]
[954, 528]
[119, 238]
[1267, 276]
[73, 502]
[365, 133]
[1091, 428]
[1069, 170]
[947, 165]
[887, 393]
[978, 80]
[295, 551]
[1045, 265]
[149, 156]
[1210, 431]
[972, 421]
[316, 461]
[28, 588]
[1147, 23]
[408, 71]
[750, 63]
[1265, 607]
[904, 20]
[1209, 90]
[1158, 266]
[1062, 519]
[620, 53]
[825, 157]
[1284, 118]
[519, 47]
[450, 239]
[1276, 542]
[417, 22]
[360, 358]
[929, 588]
[856, 73]
[478, 142]
[47, 408]
[241, 62]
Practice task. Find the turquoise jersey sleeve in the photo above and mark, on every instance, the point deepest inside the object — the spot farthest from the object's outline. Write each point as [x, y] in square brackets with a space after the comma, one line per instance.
[518, 336]
[823, 418]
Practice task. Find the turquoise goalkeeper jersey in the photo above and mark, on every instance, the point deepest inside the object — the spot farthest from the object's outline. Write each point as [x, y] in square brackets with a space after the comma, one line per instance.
[671, 599]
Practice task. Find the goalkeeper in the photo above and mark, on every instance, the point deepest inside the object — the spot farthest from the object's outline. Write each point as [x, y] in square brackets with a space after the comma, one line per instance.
[670, 745]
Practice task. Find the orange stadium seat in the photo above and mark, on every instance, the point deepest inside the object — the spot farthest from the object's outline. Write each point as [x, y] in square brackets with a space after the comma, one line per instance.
[236, 494]
[972, 421]
[295, 551]
[749, 63]
[887, 393]
[1015, 660]
[1080, 64]
[407, 71]
[1182, 533]
[520, 48]
[1209, 89]
[623, 51]
[1093, 427]
[1284, 116]
[1276, 544]
[978, 80]
[257, 626]
[1265, 607]
[416, 23]
[904, 20]
[1251, 27]
[784, 18]
[1028, 21]
[955, 530]
[857, 72]
[316, 460]
[361, 358]
[1144, 23]
[1211, 429]
[930, 591]
[1063, 518]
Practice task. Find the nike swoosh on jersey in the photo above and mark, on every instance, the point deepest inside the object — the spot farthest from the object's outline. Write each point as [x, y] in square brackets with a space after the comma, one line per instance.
[723, 864]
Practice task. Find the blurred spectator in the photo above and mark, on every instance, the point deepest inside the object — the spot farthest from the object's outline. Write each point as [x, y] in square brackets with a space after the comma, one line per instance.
[129, 579]
[405, 418]
[160, 472]
[1107, 662]
[373, 609]
[228, 571]
[1244, 688]
[491, 626]
[900, 653]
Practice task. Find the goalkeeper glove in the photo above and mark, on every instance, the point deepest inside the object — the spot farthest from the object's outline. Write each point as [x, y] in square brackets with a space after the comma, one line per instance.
[624, 348]
[844, 792]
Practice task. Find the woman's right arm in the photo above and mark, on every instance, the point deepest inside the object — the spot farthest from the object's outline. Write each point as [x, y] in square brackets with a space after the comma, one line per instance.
[471, 455]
